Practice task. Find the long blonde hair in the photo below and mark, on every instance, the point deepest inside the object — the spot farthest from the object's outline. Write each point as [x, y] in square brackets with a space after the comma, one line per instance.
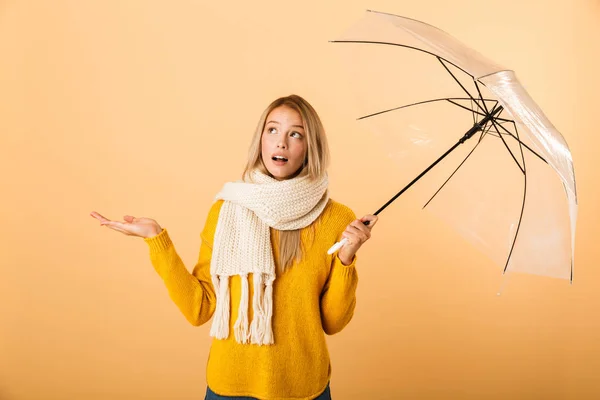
[315, 166]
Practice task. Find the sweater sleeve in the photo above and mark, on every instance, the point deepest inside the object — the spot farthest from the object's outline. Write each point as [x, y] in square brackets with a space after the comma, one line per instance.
[338, 298]
[193, 293]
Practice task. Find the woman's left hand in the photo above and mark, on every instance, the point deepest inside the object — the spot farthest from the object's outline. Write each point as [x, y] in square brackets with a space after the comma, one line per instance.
[357, 233]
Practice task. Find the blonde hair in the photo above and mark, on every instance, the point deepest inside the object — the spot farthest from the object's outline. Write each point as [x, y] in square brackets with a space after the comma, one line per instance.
[315, 166]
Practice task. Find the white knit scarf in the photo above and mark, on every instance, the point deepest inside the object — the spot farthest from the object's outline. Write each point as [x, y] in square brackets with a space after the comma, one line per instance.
[242, 245]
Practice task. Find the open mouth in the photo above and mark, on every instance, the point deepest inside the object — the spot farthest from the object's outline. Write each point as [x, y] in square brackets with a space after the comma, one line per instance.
[279, 159]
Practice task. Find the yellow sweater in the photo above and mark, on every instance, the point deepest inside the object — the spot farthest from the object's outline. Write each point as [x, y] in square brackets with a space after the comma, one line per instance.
[313, 297]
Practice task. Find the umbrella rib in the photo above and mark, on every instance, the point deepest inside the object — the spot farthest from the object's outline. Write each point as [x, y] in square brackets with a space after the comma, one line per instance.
[519, 140]
[502, 119]
[507, 148]
[399, 45]
[468, 109]
[419, 103]
[512, 247]
[452, 174]
[460, 84]
[483, 133]
[481, 96]
[487, 128]
[571, 278]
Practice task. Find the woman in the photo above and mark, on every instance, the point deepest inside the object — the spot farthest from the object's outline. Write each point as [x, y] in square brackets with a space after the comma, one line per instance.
[263, 272]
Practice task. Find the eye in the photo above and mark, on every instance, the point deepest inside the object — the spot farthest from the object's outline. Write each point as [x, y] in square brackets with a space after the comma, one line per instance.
[271, 130]
[297, 135]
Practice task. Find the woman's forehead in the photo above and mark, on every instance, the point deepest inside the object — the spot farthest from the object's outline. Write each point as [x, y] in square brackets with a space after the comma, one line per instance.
[285, 114]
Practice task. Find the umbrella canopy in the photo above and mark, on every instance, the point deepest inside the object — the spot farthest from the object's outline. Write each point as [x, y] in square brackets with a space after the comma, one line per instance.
[509, 185]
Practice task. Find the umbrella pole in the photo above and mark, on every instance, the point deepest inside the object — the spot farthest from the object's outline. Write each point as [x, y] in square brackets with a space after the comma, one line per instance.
[476, 128]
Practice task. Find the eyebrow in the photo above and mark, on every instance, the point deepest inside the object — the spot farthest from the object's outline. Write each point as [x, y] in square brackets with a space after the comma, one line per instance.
[275, 122]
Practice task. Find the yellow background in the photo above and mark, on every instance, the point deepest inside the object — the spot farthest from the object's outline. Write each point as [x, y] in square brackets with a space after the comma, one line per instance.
[147, 108]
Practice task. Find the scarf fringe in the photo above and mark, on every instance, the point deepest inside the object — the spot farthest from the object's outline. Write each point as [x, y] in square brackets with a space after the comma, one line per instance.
[260, 330]
[268, 309]
[257, 326]
[242, 334]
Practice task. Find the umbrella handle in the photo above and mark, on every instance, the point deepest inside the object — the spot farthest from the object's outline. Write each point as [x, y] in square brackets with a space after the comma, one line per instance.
[342, 242]
[337, 246]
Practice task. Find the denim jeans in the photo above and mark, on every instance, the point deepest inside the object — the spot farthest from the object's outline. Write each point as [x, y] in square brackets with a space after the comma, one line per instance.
[210, 395]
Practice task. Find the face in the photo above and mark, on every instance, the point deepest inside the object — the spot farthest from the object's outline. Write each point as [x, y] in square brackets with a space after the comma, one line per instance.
[283, 143]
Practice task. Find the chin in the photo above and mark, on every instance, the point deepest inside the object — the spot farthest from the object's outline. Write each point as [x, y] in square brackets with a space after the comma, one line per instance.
[283, 175]
[280, 177]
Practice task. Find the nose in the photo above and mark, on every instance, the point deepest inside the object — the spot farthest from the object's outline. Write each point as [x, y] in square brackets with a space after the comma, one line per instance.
[281, 143]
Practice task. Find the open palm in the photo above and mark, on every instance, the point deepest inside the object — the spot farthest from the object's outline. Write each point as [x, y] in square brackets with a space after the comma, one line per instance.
[131, 226]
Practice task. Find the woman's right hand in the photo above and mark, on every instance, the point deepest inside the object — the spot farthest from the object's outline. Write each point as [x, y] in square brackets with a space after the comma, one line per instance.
[142, 227]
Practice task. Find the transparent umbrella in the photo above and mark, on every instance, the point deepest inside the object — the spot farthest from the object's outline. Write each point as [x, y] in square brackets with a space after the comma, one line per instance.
[497, 170]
